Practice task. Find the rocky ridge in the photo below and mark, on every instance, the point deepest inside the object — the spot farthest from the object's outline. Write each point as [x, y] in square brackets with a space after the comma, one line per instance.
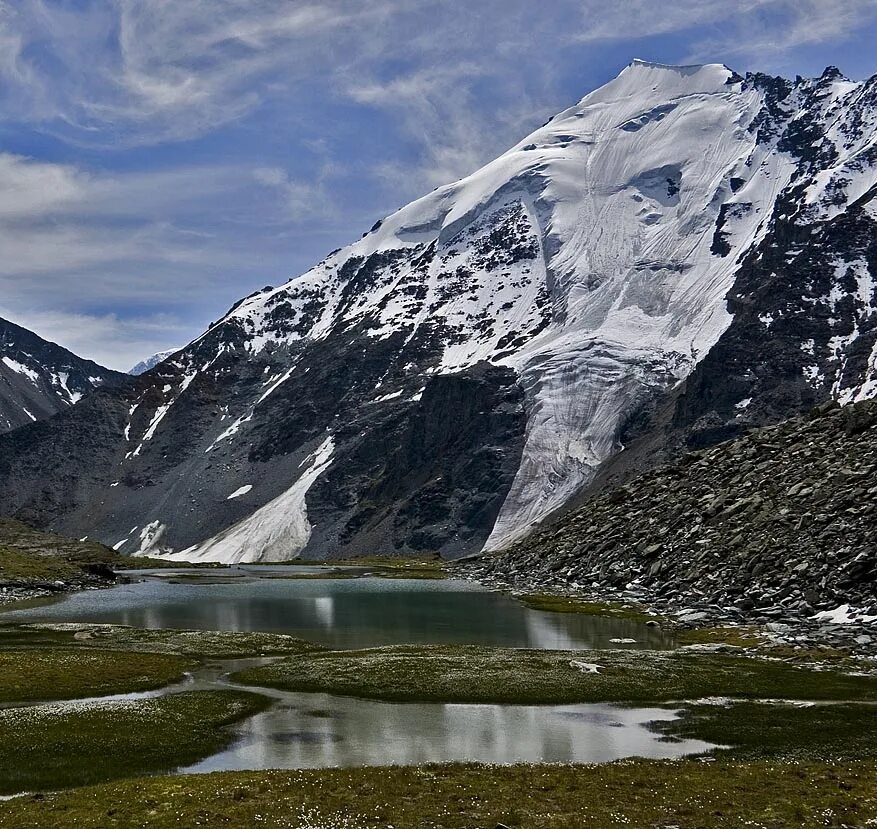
[39, 378]
[777, 527]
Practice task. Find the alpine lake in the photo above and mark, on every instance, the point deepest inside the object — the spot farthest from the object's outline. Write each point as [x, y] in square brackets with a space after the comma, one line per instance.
[370, 674]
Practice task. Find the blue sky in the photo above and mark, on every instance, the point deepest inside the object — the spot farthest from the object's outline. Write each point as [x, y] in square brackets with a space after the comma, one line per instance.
[159, 159]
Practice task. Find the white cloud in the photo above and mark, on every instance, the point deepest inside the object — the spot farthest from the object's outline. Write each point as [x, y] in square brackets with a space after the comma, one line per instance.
[169, 69]
[134, 72]
[33, 188]
[154, 245]
[438, 109]
[59, 217]
[298, 198]
[105, 338]
[804, 22]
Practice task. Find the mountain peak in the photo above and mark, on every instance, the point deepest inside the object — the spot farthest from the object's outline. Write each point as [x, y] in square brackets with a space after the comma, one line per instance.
[683, 69]
[473, 362]
[152, 361]
[39, 378]
[676, 67]
[643, 78]
[832, 73]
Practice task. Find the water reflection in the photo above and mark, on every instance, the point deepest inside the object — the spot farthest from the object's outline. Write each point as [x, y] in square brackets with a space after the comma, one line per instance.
[340, 613]
[317, 731]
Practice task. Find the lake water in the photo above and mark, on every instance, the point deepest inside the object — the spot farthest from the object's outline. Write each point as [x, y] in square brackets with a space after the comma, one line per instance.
[320, 730]
[338, 612]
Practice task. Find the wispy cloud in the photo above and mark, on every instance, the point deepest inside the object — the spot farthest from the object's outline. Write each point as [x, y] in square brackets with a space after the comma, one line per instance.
[164, 157]
[153, 245]
[136, 73]
[774, 28]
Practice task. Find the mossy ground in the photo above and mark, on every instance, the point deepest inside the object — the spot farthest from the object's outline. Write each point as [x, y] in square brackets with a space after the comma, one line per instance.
[35, 674]
[686, 794]
[739, 637]
[388, 567]
[759, 731]
[22, 568]
[61, 745]
[374, 566]
[125, 563]
[498, 675]
[31, 557]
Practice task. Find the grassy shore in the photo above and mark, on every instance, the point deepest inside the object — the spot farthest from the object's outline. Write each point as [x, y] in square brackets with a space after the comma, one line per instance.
[197, 644]
[686, 794]
[759, 731]
[483, 675]
[388, 567]
[36, 674]
[571, 604]
[61, 745]
[19, 568]
[779, 765]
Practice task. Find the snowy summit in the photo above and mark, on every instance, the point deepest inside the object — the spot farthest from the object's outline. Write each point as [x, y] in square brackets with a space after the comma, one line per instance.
[472, 363]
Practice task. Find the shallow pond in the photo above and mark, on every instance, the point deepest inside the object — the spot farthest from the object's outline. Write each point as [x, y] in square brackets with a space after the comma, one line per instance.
[354, 612]
[346, 608]
[319, 730]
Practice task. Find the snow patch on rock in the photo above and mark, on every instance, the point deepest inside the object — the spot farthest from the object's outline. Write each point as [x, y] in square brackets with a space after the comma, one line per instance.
[276, 532]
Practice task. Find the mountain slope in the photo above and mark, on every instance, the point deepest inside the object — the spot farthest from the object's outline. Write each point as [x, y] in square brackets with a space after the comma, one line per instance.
[679, 256]
[780, 521]
[39, 378]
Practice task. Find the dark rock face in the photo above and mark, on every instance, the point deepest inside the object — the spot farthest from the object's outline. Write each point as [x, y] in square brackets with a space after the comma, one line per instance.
[39, 378]
[804, 301]
[783, 520]
[801, 334]
[424, 471]
[421, 460]
[430, 477]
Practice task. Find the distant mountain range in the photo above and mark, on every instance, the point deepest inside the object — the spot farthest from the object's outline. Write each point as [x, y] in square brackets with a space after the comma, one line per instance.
[151, 362]
[39, 379]
[684, 254]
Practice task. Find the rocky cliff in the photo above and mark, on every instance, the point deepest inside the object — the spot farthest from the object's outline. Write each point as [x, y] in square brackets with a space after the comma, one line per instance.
[39, 378]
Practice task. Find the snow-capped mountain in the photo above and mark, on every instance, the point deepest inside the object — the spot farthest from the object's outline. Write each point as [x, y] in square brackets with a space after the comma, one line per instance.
[151, 362]
[39, 378]
[682, 254]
